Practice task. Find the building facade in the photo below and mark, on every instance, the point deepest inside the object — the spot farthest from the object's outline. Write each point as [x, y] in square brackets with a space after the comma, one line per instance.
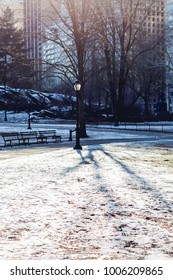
[38, 16]
[33, 39]
[154, 94]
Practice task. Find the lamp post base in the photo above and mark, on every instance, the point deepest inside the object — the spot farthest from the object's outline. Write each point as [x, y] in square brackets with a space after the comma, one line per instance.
[77, 147]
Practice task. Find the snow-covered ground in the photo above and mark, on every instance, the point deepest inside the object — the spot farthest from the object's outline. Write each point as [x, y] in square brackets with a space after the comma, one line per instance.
[108, 201]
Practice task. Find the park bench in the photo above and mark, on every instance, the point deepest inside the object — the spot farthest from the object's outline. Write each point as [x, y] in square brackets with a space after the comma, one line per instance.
[11, 139]
[50, 135]
[28, 137]
[19, 138]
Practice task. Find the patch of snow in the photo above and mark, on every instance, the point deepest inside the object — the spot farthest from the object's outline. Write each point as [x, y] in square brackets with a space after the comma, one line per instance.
[107, 201]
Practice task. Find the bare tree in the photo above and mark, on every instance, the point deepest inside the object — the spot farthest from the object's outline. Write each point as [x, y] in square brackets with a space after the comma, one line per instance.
[103, 39]
[73, 36]
[122, 25]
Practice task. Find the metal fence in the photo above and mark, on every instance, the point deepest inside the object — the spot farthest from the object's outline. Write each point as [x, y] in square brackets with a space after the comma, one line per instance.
[165, 127]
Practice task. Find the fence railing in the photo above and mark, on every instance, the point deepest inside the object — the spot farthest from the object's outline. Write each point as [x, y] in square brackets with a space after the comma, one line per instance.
[155, 127]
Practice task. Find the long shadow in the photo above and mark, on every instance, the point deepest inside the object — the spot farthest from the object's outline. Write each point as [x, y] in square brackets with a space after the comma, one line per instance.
[99, 187]
[90, 159]
[87, 159]
[111, 201]
[75, 167]
[144, 185]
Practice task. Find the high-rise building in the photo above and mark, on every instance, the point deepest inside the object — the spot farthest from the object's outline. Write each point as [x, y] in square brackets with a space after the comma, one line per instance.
[152, 14]
[38, 15]
[33, 39]
[155, 18]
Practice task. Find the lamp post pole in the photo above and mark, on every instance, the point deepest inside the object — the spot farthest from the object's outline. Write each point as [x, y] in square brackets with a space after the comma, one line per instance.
[29, 114]
[5, 116]
[29, 120]
[77, 87]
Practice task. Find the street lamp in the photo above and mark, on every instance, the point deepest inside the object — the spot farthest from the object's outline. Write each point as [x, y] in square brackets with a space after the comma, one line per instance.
[5, 117]
[29, 115]
[29, 120]
[77, 87]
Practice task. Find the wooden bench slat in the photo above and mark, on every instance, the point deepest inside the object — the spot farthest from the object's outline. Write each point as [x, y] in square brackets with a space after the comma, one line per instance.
[29, 137]
[10, 139]
[45, 135]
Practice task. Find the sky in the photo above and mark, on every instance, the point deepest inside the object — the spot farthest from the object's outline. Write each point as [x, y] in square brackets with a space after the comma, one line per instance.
[11, 3]
[14, 5]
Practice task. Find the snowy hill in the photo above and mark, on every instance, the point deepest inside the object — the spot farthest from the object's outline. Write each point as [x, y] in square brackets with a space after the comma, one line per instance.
[49, 104]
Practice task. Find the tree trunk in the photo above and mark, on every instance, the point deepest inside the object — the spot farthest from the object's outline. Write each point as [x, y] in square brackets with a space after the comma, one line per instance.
[82, 124]
[146, 110]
